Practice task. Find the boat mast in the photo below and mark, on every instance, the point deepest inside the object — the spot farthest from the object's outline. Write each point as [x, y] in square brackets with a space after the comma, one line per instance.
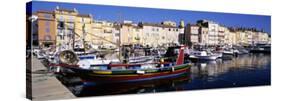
[83, 38]
[119, 29]
[73, 38]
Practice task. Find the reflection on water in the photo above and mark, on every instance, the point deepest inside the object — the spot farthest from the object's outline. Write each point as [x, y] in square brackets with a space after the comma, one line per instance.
[246, 62]
[245, 70]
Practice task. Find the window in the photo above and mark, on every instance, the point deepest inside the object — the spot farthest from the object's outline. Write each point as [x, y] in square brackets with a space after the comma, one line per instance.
[61, 25]
[81, 20]
[70, 26]
[61, 18]
[47, 30]
[60, 31]
[71, 19]
[61, 34]
[61, 37]
[213, 28]
[48, 16]
[69, 34]
[47, 23]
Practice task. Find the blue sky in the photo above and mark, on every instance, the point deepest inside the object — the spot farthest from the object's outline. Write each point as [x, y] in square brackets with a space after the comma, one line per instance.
[115, 13]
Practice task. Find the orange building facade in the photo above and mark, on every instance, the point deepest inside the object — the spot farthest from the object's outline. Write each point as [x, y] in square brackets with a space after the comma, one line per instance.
[46, 28]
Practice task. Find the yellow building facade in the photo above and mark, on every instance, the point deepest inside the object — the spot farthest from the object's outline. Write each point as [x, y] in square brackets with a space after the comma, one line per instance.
[105, 34]
[65, 21]
[69, 27]
[83, 29]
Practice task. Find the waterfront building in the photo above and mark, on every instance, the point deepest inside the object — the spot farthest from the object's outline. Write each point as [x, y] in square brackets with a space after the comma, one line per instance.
[213, 31]
[65, 24]
[255, 38]
[192, 34]
[233, 38]
[155, 35]
[269, 39]
[137, 35]
[227, 37]
[44, 33]
[116, 33]
[83, 30]
[170, 33]
[152, 34]
[63, 27]
[203, 35]
[249, 35]
[221, 35]
[260, 37]
[241, 38]
[104, 34]
[131, 34]
[263, 37]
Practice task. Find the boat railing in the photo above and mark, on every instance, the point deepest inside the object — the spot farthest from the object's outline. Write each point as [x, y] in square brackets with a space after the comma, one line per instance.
[138, 64]
[112, 65]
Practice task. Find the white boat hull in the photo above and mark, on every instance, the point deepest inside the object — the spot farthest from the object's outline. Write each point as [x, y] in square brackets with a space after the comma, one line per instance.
[207, 57]
[203, 57]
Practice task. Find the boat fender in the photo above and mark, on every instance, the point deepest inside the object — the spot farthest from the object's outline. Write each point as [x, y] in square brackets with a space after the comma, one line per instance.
[162, 65]
[173, 68]
[58, 70]
[140, 72]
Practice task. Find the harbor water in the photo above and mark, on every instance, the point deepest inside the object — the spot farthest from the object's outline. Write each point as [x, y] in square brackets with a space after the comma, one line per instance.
[242, 71]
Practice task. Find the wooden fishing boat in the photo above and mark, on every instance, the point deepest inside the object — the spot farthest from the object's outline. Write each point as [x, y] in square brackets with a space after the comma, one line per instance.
[117, 72]
[82, 88]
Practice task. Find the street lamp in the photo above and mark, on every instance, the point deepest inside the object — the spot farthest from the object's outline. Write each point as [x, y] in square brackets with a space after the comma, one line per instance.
[33, 18]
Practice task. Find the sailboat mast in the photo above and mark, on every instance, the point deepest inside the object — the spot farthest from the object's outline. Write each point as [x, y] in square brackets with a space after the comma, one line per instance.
[119, 43]
[83, 39]
[73, 38]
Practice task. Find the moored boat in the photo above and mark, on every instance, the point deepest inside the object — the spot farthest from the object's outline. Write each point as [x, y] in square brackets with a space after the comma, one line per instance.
[129, 72]
[261, 48]
[231, 51]
[203, 55]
